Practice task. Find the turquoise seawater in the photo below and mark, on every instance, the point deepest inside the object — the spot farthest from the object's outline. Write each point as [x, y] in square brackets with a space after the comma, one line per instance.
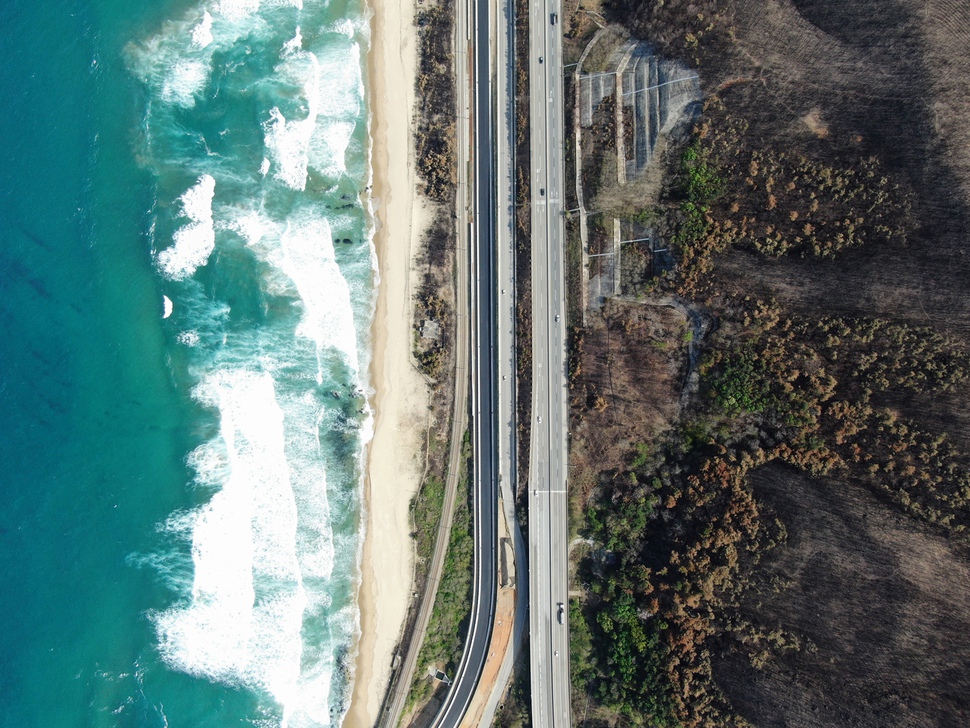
[186, 287]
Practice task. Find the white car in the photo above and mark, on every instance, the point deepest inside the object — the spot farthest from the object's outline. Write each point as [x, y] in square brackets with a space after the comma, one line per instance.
[562, 613]
[557, 318]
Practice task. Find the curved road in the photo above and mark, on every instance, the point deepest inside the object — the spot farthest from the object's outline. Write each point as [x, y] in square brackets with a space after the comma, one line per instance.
[484, 389]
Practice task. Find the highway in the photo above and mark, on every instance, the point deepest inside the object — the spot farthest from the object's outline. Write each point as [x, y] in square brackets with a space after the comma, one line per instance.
[492, 344]
[484, 383]
[504, 68]
[548, 502]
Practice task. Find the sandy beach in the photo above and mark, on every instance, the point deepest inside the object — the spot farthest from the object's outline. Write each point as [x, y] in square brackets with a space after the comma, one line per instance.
[395, 461]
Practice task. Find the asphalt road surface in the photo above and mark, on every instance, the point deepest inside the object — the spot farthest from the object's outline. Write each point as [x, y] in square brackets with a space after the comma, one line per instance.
[548, 504]
[484, 386]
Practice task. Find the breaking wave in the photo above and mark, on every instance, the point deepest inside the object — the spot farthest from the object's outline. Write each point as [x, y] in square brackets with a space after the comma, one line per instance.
[254, 130]
[195, 240]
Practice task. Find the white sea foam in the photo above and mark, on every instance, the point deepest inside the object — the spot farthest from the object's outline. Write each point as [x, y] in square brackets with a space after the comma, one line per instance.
[243, 622]
[186, 79]
[266, 593]
[194, 241]
[328, 148]
[341, 92]
[341, 82]
[202, 33]
[295, 43]
[254, 552]
[237, 9]
[167, 307]
[210, 463]
[344, 26]
[189, 338]
[308, 259]
[288, 145]
[288, 140]
[196, 203]
[248, 224]
[315, 537]
[177, 61]
[173, 568]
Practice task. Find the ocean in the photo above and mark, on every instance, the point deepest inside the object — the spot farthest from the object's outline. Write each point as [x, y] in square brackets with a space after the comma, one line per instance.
[187, 281]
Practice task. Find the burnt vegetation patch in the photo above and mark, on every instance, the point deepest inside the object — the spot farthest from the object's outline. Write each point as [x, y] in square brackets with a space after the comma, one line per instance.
[434, 307]
[435, 143]
[678, 530]
[436, 164]
[787, 544]
[868, 594]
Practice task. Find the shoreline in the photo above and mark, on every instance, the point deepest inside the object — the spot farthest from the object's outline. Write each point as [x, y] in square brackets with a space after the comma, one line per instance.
[395, 458]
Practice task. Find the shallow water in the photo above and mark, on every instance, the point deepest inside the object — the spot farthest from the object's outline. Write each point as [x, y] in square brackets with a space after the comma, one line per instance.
[186, 282]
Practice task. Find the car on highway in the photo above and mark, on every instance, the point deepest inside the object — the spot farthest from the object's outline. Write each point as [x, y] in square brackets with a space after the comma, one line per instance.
[553, 17]
[562, 613]
[557, 318]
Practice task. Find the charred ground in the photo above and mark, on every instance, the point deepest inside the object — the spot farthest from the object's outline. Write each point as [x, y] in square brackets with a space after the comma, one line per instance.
[788, 544]
[870, 594]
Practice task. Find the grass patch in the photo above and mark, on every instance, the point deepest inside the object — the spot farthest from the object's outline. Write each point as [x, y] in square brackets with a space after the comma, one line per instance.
[449, 620]
[425, 515]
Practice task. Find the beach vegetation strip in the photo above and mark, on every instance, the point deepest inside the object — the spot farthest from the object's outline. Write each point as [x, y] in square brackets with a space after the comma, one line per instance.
[445, 636]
